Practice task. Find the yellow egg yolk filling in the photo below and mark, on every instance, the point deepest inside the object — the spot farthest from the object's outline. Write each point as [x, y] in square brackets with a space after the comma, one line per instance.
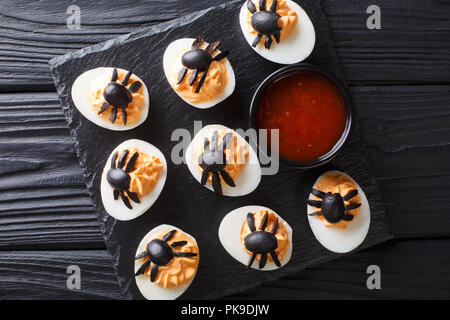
[95, 96]
[236, 156]
[336, 182]
[179, 270]
[286, 22]
[213, 86]
[145, 174]
[281, 234]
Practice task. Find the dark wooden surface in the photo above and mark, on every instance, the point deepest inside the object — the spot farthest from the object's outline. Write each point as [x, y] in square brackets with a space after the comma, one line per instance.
[400, 77]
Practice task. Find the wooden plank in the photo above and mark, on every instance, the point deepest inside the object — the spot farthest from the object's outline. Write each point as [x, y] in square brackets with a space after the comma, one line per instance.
[34, 275]
[406, 129]
[412, 47]
[413, 269]
[399, 124]
[44, 202]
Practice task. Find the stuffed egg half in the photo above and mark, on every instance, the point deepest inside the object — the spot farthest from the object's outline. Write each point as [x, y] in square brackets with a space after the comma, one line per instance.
[295, 30]
[238, 174]
[172, 279]
[112, 98]
[234, 228]
[129, 191]
[346, 234]
[219, 81]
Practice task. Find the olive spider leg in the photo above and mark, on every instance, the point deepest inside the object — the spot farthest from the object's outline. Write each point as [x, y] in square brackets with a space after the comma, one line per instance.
[135, 86]
[114, 75]
[122, 159]
[178, 244]
[112, 116]
[200, 82]
[143, 267]
[182, 73]
[257, 39]
[141, 255]
[273, 7]
[216, 182]
[104, 107]
[250, 261]
[251, 6]
[251, 222]
[221, 55]
[193, 77]
[350, 195]
[127, 77]
[212, 46]
[132, 162]
[352, 206]
[262, 5]
[268, 42]
[169, 235]
[264, 222]
[184, 254]
[153, 272]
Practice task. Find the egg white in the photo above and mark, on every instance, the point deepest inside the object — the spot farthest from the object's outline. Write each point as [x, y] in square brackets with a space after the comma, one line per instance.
[295, 48]
[172, 61]
[80, 90]
[342, 240]
[116, 208]
[230, 233]
[148, 289]
[247, 180]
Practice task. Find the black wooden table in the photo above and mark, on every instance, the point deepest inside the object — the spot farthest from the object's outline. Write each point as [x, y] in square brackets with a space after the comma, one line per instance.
[400, 84]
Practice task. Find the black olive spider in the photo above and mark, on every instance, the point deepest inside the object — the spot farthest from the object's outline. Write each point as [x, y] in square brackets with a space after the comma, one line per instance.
[118, 96]
[261, 242]
[160, 253]
[264, 22]
[213, 161]
[332, 206]
[120, 179]
[199, 60]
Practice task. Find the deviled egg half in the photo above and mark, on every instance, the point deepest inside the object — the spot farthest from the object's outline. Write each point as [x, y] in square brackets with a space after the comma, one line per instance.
[338, 212]
[166, 262]
[223, 161]
[257, 237]
[199, 72]
[278, 30]
[132, 179]
[112, 98]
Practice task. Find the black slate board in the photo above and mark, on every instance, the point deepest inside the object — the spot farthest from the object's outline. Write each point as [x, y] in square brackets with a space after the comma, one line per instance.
[184, 202]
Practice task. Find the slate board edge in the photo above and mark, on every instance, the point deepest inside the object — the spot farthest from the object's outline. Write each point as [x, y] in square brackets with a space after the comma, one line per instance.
[159, 28]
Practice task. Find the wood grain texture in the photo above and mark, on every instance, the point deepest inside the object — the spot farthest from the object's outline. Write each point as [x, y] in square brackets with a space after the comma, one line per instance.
[409, 270]
[413, 45]
[407, 131]
[43, 198]
[34, 275]
[411, 166]
[412, 269]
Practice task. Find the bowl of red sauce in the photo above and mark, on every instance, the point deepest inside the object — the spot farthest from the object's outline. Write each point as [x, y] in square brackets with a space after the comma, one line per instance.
[310, 108]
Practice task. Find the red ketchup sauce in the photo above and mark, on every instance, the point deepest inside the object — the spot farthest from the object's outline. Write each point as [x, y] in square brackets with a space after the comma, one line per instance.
[308, 110]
